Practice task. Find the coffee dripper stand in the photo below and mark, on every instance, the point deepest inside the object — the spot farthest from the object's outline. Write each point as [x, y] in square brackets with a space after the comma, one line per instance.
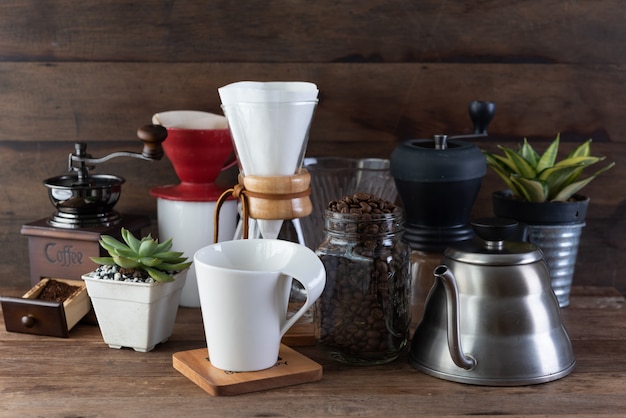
[60, 245]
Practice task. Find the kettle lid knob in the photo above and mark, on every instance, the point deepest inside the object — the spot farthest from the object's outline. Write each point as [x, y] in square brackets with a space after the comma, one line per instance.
[495, 229]
[497, 244]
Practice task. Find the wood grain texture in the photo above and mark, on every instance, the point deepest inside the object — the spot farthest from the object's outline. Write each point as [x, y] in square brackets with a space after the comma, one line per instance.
[370, 104]
[291, 368]
[388, 71]
[81, 376]
[297, 31]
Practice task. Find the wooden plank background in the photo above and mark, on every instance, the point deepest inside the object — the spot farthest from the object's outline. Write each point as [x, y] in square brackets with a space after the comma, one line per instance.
[95, 71]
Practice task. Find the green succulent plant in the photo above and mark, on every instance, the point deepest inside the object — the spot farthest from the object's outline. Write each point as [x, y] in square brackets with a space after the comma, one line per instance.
[540, 178]
[146, 254]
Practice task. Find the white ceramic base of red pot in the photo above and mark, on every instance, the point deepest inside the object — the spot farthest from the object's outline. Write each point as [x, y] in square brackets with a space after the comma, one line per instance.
[190, 224]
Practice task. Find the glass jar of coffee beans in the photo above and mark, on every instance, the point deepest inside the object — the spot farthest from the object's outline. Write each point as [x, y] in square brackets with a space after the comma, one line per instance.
[364, 313]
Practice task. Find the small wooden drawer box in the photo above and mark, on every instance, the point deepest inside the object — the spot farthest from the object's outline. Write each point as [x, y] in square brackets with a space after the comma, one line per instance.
[32, 315]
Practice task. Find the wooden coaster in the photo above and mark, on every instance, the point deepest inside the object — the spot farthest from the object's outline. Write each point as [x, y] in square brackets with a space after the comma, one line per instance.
[292, 368]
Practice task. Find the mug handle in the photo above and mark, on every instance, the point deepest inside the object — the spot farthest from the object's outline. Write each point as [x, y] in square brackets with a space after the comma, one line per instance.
[311, 273]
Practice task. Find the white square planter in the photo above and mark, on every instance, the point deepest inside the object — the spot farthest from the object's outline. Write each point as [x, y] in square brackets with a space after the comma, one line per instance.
[135, 315]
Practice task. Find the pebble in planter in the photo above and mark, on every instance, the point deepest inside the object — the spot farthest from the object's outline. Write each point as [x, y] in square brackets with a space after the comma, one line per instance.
[136, 291]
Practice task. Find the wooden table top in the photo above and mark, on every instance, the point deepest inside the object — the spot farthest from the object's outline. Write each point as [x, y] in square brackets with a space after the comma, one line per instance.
[80, 376]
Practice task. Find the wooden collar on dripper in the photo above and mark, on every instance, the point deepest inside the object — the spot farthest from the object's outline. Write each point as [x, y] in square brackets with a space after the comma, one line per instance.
[269, 198]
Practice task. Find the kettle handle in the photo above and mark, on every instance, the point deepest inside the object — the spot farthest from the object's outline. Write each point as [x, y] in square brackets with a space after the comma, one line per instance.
[461, 359]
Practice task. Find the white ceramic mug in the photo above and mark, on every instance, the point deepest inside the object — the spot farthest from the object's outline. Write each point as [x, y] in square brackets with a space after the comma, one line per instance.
[244, 287]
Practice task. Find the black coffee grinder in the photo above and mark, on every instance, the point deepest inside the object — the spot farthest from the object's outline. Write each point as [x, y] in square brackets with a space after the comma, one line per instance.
[438, 181]
[60, 245]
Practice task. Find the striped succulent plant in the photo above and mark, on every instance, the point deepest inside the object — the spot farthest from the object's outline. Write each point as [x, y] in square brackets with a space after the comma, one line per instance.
[540, 178]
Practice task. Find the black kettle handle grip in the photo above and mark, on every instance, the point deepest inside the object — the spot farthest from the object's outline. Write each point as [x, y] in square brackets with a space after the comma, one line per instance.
[481, 113]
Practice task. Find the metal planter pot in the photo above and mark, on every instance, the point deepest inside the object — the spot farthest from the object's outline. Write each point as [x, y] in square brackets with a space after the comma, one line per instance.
[555, 227]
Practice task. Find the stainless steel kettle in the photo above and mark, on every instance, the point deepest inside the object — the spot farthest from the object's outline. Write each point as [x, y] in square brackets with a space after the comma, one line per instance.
[491, 318]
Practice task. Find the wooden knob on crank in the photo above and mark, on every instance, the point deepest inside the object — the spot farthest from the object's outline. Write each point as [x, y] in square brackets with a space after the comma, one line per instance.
[152, 136]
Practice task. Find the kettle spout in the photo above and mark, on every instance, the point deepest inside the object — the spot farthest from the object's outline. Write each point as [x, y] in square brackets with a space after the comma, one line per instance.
[461, 359]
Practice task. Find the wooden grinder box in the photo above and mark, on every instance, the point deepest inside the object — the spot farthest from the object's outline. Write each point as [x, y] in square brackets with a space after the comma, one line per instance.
[59, 252]
[32, 315]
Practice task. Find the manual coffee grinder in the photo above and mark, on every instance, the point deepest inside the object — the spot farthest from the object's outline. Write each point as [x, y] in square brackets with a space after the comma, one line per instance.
[438, 181]
[60, 245]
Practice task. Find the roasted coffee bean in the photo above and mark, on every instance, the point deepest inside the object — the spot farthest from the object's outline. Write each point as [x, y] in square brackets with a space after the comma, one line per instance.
[364, 311]
[362, 203]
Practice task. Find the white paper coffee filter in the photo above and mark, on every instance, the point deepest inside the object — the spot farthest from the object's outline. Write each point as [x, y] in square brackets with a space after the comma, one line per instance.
[190, 119]
[270, 138]
[270, 229]
[265, 92]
